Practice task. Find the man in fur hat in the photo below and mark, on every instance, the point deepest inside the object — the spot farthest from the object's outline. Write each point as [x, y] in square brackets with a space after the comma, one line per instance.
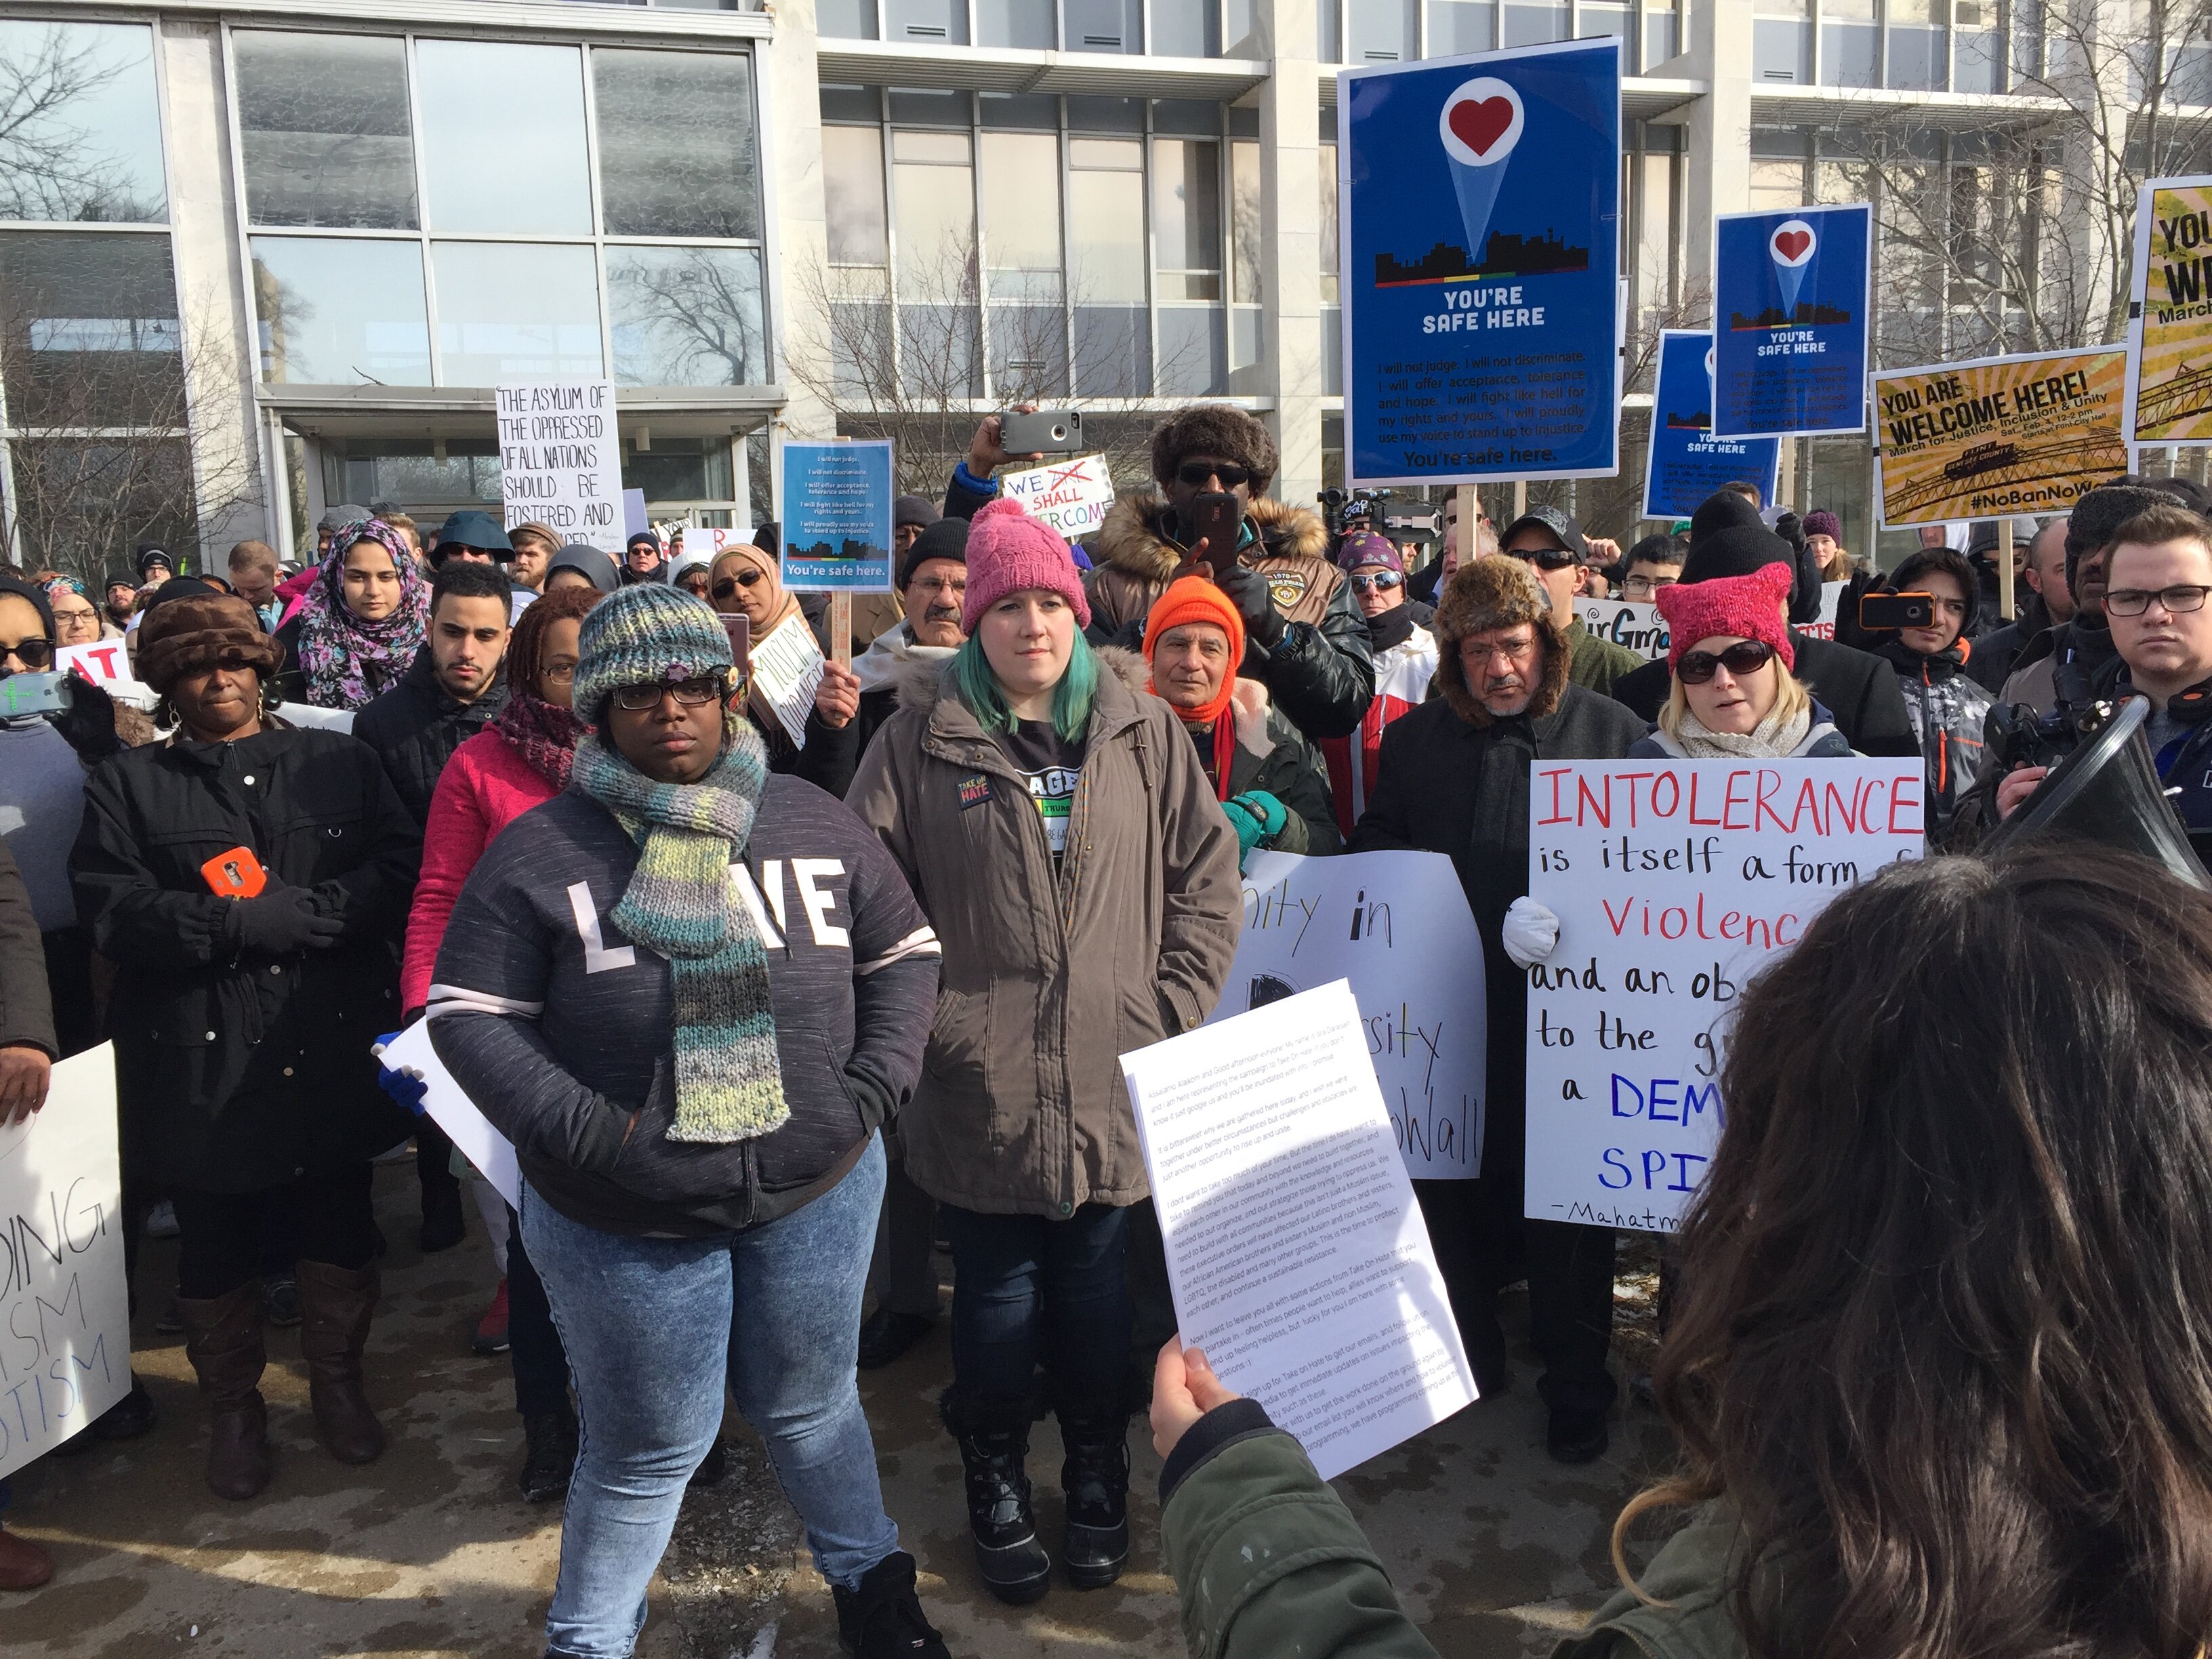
[1305, 640]
[1454, 780]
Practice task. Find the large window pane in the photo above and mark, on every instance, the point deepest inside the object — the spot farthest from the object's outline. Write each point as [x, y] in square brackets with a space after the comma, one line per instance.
[1535, 25]
[1113, 352]
[1023, 23]
[1244, 219]
[503, 137]
[846, 20]
[1460, 26]
[1106, 215]
[676, 156]
[933, 191]
[1850, 44]
[80, 124]
[510, 312]
[1103, 24]
[336, 312]
[88, 334]
[82, 501]
[323, 118]
[852, 192]
[1028, 352]
[687, 316]
[679, 469]
[1382, 31]
[1329, 232]
[1193, 351]
[1187, 216]
[1186, 28]
[1021, 214]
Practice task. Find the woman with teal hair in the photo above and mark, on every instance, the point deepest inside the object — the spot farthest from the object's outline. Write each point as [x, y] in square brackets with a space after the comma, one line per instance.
[1058, 828]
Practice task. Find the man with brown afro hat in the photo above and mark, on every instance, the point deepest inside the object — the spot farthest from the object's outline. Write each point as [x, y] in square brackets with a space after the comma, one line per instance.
[1454, 780]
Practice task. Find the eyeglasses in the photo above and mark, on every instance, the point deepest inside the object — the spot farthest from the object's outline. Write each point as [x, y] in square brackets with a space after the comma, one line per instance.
[37, 655]
[560, 673]
[1196, 473]
[1744, 657]
[1382, 580]
[730, 585]
[953, 585]
[1646, 585]
[691, 693]
[2134, 601]
[1544, 558]
[1513, 651]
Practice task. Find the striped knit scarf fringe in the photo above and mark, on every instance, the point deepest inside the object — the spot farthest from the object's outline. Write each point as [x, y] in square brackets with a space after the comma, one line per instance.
[681, 904]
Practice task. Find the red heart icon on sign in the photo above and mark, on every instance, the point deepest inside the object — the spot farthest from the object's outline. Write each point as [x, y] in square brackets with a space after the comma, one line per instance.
[1792, 243]
[1478, 124]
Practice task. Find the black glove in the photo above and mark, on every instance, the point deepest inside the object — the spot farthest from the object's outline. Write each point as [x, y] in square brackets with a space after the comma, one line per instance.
[284, 920]
[1247, 589]
[88, 723]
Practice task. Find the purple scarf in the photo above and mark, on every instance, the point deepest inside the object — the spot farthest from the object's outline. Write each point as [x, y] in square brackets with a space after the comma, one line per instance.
[544, 733]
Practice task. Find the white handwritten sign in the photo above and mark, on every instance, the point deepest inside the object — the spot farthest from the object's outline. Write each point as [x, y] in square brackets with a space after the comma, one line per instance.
[787, 667]
[1674, 882]
[1397, 927]
[1644, 630]
[1294, 1246]
[1070, 496]
[65, 1303]
[560, 463]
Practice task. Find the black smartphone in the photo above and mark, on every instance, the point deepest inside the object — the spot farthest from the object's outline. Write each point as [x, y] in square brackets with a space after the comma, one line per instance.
[739, 627]
[1044, 431]
[1887, 610]
[1215, 518]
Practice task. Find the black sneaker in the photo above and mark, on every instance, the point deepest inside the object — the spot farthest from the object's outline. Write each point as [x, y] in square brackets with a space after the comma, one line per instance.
[280, 1299]
[713, 1468]
[885, 1334]
[1577, 1438]
[128, 1418]
[549, 1456]
[883, 1619]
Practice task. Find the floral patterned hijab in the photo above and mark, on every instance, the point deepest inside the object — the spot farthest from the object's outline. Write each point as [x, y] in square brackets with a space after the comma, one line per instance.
[347, 660]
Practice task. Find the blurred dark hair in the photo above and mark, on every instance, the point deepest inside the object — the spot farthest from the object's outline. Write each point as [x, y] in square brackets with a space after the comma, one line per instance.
[469, 578]
[1659, 547]
[525, 650]
[1945, 1336]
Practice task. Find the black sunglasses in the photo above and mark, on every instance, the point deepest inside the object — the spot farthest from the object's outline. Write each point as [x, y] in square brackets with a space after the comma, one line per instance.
[1196, 473]
[730, 585]
[1385, 580]
[34, 654]
[1744, 657]
[1544, 558]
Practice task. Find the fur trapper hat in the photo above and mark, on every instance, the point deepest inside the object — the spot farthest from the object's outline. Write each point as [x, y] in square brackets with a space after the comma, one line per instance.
[187, 633]
[1489, 593]
[1215, 429]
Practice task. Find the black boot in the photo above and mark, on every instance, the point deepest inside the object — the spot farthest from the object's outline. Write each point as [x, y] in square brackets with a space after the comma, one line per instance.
[883, 1619]
[994, 1444]
[1096, 1478]
[548, 1455]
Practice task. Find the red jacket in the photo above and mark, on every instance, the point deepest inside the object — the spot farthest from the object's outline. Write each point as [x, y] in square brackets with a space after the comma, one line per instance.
[485, 787]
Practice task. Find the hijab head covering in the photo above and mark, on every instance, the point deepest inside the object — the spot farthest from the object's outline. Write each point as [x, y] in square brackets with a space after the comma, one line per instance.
[597, 568]
[347, 660]
[781, 604]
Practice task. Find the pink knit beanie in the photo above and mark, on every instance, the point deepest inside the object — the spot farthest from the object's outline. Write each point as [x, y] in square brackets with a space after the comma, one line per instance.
[1748, 607]
[1007, 551]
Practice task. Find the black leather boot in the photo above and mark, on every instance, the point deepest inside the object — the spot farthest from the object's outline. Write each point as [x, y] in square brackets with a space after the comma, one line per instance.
[1096, 1478]
[994, 1444]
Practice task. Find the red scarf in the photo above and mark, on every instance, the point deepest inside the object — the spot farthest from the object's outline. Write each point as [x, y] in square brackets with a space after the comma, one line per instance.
[544, 733]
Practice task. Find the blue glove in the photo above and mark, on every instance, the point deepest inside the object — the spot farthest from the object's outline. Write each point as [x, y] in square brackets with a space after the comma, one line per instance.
[1250, 830]
[404, 1087]
[1272, 813]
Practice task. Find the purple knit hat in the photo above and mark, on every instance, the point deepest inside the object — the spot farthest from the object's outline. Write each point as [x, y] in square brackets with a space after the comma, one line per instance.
[1008, 551]
[1821, 522]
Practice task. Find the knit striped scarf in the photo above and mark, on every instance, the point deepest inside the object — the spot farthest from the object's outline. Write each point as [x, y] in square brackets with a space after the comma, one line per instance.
[681, 904]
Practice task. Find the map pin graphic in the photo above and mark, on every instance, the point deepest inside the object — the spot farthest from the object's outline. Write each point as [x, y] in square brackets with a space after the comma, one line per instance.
[1792, 245]
[1478, 125]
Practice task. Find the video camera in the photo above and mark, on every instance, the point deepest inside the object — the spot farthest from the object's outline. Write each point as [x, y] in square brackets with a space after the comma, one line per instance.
[1339, 507]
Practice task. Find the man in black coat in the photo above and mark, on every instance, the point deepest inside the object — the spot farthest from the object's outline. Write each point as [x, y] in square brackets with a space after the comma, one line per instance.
[456, 685]
[1454, 780]
[1858, 690]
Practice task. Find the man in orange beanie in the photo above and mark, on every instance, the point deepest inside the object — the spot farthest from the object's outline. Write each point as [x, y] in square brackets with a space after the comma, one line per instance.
[1269, 780]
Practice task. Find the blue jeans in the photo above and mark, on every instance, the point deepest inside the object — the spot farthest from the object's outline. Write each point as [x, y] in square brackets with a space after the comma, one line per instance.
[1025, 1288]
[654, 1326]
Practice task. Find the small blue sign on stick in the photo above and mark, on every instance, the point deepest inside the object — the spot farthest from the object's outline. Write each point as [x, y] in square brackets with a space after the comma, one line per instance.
[1792, 296]
[1687, 463]
[837, 517]
[1479, 255]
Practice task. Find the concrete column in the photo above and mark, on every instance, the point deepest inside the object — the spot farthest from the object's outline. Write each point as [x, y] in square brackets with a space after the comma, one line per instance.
[1718, 174]
[228, 465]
[1290, 259]
[790, 141]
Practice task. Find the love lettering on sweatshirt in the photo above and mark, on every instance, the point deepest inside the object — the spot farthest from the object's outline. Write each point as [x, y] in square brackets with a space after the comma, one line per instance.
[768, 900]
[1675, 883]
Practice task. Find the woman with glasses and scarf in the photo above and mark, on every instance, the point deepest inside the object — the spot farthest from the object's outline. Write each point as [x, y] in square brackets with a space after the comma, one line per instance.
[745, 581]
[359, 626]
[1405, 653]
[247, 879]
[520, 761]
[690, 993]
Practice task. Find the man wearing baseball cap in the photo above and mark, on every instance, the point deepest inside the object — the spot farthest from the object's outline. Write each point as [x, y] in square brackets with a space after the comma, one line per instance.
[1553, 545]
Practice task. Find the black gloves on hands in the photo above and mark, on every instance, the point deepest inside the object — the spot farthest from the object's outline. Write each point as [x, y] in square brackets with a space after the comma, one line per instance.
[88, 723]
[282, 920]
[1247, 589]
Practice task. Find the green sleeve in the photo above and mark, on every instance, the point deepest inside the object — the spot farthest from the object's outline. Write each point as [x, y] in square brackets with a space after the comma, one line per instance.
[1269, 1562]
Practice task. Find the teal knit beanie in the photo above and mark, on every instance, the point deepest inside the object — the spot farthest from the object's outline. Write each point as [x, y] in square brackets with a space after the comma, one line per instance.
[647, 632]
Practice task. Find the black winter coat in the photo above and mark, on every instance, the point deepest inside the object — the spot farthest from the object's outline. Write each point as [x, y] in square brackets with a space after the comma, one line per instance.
[1450, 787]
[238, 1071]
[416, 726]
[27, 1011]
[1859, 688]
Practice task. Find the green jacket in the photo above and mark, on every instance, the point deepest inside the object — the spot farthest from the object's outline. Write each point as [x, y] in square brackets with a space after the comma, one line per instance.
[1595, 664]
[1269, 1562]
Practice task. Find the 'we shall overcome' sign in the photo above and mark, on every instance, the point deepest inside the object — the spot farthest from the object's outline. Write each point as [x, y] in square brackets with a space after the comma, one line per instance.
[1674, 882]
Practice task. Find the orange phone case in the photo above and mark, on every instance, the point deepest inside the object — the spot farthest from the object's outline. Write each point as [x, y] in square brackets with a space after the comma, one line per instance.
[235, 874]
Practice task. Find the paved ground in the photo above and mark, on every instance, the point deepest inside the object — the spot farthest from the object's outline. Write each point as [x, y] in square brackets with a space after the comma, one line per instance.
[430, 1551]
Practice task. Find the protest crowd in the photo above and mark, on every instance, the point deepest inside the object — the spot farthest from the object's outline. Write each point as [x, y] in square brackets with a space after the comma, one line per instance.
[767, 1002]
